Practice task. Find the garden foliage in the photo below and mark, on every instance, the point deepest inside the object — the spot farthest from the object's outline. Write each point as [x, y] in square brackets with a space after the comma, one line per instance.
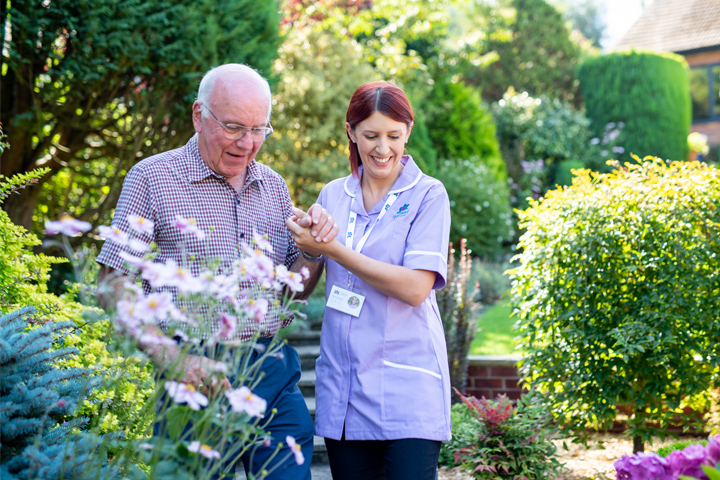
[90, 86]
[648, 92]
[460, 127]
[458, 311]
[319, 73]
[543, 138]
[511, 442]
[125, 383]
[480, 207]
[616, 294]
[533, 51]
[35, 399]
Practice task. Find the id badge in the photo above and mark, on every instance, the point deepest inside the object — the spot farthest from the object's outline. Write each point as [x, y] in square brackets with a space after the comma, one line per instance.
[345, 300]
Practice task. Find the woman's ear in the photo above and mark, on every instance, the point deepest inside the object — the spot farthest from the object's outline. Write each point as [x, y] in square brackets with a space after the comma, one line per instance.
[350, 132]
[407, 135]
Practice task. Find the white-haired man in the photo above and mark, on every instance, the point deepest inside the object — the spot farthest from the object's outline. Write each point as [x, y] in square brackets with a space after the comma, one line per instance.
[215, 179]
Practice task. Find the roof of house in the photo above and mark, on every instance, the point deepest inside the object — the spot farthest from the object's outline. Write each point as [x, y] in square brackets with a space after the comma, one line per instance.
[675, 26]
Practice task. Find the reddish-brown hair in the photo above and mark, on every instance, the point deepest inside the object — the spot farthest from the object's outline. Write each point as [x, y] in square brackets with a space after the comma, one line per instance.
[384, 97]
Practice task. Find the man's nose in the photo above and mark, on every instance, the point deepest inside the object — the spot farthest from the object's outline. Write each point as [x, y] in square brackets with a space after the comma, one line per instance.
[245, 142]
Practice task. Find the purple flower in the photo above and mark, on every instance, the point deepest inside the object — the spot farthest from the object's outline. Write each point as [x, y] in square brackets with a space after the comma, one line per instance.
[113, 234]
[188, 226]
[295, 449]
[641, 466]
[204, 450]
[140, 224]
[184, 393]
[68, 226]
[243, 400]
[688, 461]
[712, 451]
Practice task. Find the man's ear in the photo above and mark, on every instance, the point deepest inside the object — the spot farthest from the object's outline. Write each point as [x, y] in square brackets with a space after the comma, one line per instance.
[197, 116]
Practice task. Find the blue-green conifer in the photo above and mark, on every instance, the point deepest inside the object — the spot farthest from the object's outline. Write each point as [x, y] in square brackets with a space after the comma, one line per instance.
[35, 397]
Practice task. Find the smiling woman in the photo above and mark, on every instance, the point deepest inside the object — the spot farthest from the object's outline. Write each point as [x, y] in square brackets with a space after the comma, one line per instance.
[383, 393]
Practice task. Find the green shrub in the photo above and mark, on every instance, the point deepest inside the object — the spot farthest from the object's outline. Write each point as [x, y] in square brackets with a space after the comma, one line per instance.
[533, 47]
[37, 398]
[543, 138]
[617, 292]
[513, 443]
[460, 127]
[480, 207]
[124, 384]
[667, 449]
[649, 92]
[465, 430]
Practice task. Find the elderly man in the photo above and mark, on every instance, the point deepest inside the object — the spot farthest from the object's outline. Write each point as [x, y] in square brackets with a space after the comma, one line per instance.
[215, 180]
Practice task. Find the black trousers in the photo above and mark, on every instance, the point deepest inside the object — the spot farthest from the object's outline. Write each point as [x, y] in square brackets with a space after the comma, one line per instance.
[403, 459]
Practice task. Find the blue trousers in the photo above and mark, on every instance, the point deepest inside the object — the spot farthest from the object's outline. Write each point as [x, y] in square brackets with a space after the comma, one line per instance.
[279, 388]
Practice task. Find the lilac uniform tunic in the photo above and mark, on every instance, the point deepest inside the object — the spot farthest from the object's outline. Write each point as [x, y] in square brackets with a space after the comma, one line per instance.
[384, 374]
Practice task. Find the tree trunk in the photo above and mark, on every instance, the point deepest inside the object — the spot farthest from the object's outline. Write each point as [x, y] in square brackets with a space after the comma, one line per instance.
[638, 444]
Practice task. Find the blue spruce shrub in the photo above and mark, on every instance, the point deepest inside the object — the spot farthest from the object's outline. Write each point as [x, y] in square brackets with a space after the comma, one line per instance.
[35, 398]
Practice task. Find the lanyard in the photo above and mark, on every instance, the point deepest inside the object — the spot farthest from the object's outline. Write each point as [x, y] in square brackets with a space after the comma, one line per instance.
[351, 227]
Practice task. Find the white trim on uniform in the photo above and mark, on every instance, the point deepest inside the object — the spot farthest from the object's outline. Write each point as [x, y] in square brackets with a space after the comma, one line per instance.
[423, 252]
[409, 367]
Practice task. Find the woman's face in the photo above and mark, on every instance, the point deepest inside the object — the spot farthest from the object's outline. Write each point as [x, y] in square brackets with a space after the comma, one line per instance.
[381, 142]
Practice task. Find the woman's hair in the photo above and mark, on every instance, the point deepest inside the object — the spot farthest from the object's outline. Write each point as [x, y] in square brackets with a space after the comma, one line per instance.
[384, 97]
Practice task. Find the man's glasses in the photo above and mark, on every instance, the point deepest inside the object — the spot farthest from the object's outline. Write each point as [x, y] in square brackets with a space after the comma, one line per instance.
[233, 131]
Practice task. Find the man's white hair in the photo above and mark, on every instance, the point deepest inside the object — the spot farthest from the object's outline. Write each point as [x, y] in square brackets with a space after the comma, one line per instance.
[237, 70]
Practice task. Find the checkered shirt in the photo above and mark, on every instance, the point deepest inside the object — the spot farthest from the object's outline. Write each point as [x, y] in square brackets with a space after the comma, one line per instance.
[178, 182]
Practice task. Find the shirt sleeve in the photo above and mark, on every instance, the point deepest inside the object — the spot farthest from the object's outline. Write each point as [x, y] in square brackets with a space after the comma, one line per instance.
[293, 251]
[427, 241]
[135, 199]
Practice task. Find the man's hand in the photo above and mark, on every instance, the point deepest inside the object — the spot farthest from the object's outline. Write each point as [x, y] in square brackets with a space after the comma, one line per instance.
[199, 371]
[322, 226]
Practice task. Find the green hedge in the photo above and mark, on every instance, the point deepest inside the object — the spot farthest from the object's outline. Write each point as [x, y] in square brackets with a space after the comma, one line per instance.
[616, 294]
[649, 92]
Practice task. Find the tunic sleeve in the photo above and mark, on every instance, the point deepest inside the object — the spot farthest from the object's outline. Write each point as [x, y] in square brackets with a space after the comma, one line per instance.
[427, 241]
[135, 199]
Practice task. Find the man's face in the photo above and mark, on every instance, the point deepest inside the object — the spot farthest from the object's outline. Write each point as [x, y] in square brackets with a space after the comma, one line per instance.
[231, 102]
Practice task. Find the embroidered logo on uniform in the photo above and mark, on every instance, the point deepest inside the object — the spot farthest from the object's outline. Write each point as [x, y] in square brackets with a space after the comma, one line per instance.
[402, 211]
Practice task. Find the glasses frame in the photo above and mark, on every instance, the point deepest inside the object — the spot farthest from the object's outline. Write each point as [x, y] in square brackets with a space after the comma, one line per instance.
[268, 130]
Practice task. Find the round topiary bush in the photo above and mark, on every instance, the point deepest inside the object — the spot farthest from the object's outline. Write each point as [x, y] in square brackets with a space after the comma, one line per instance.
[617, 295]
[648, 92]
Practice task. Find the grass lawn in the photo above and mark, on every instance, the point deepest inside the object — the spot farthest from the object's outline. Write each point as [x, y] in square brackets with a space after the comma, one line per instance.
[494, 335]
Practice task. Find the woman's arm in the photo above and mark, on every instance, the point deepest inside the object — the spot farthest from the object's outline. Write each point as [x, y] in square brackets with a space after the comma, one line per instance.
[404, 284]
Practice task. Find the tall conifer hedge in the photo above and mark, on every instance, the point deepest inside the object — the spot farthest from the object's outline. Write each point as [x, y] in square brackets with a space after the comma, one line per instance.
[648, 92]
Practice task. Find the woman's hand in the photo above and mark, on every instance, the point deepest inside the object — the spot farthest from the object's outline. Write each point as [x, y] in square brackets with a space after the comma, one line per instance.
[308, 237]
[321, 224]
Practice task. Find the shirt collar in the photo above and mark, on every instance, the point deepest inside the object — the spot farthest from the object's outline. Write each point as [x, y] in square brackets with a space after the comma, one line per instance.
[198, 169]
[409, 177]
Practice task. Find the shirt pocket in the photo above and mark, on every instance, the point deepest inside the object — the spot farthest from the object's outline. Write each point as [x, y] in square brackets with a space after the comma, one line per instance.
[411, 392]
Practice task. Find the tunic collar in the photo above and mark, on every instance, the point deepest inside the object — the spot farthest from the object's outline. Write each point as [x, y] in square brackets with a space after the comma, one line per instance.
[409, 177]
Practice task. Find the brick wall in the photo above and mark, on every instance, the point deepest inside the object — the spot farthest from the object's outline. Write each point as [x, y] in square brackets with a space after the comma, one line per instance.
[491, 375]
